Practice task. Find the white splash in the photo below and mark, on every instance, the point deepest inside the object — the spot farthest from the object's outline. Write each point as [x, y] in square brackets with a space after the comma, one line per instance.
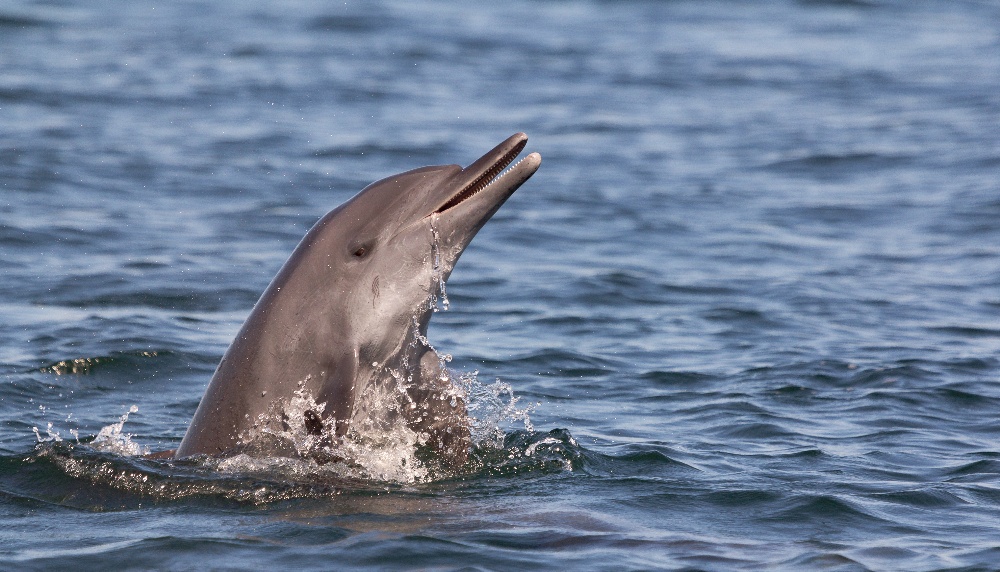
[491, 407]
[109, 438]
[51, 436]
[378, 446]
[112, 440]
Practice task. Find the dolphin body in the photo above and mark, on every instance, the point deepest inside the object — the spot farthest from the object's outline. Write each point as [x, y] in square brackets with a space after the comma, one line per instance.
[343, 315]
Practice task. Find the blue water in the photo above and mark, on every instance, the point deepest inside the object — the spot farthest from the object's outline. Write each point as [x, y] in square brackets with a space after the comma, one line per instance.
[750, 303]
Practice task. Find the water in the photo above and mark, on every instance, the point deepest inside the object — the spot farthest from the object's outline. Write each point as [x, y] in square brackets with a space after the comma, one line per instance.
[750, 304]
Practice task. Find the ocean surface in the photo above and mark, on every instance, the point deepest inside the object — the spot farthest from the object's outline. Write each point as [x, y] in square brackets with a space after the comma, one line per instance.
[746, 315]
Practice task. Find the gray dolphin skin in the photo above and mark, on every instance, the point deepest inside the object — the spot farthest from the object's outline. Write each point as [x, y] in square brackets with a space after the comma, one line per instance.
[348, 304]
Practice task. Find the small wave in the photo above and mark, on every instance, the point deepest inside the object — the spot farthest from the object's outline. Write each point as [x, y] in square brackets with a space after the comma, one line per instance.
[755, 431]
[982, 467]
[121, 295]
[88, 365]
[20, 21]
[967, 331]
[823, 160]
[527, 452]
[414, 151]
[637, 461]
[839, 3]
[891, 374]
[737, 498]
[677, 379]
[834, 165]
[741, 317]
[923, 498]
[566, 362]
[28, 555]
[346, 23]
[797, 378]
[822, 508]
[619, 288]
[823, 561]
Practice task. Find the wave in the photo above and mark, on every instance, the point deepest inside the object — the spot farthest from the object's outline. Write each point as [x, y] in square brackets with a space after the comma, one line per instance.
[88, 475]
[276, 461]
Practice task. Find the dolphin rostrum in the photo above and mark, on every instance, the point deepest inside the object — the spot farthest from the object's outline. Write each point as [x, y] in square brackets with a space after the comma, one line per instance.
[344, 314]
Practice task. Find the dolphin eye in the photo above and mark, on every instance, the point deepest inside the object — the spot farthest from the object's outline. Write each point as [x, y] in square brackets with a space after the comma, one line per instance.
[361, 251]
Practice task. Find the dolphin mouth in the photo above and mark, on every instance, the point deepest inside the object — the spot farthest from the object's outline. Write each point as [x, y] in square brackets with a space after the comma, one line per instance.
[491, 172]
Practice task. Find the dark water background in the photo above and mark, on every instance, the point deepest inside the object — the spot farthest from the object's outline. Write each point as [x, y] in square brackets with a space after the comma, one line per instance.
[755, 286]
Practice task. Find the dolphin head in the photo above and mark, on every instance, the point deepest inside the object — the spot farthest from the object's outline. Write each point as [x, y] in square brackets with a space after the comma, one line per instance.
[354, 295]
[400, 237]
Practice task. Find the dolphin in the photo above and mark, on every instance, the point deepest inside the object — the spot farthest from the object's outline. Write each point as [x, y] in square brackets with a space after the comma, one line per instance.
[348, 312]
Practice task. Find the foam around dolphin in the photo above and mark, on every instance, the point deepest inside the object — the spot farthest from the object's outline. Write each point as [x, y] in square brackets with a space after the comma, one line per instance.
[344, 318]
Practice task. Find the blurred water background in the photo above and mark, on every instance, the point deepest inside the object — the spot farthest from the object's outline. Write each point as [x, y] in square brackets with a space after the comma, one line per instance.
[751, 298]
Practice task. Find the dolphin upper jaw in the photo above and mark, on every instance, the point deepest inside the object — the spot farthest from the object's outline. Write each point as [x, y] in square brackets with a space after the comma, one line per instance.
[483, 171]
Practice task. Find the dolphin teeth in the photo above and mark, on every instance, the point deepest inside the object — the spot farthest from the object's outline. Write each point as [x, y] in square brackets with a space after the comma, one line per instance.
[494, 173]
[507, 170]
